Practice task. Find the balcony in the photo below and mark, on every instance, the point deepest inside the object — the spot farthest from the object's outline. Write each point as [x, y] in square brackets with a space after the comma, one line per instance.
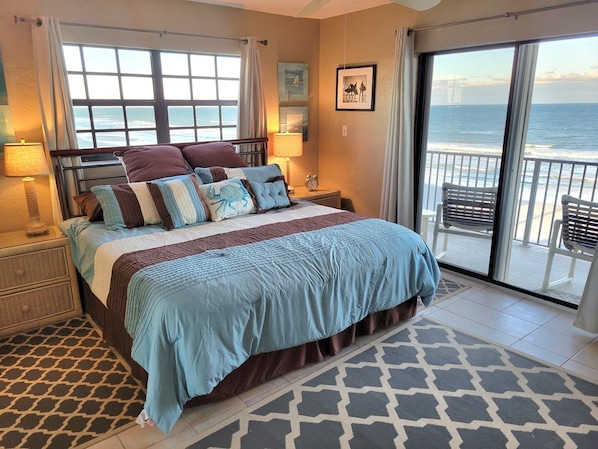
[542, 182]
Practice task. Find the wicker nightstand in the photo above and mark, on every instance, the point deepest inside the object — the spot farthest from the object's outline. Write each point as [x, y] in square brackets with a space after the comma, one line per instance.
[38, 282]
[323, 197]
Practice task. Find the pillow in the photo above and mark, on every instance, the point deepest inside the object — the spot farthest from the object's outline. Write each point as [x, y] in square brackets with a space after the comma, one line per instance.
[262, 173]
[226, 199]
[270, 195]
[126, 205]
[178, 201]
[90, 206]
[212, 154]
[216, 174]
[152, 162]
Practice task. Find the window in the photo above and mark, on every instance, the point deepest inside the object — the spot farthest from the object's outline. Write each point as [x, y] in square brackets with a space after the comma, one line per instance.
[124, 96]
[521, 118]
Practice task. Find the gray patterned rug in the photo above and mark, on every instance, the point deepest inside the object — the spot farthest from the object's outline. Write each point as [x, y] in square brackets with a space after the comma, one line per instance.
[61, 386]
[424, 385]
[448, 287]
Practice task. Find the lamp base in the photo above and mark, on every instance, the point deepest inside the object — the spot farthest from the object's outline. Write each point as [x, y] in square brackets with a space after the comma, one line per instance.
[33, 229]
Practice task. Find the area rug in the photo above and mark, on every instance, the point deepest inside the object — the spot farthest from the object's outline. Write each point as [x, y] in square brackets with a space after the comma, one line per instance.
[61, 387]
[424, 385]
[448, 287]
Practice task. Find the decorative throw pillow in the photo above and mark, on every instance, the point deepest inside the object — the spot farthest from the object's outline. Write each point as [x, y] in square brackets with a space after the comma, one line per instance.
[226, 199]
[212, 154]
[152, 162]
[126, 205]
[90, 206]
[270, 195]
[262, 173]
[178, 201]
[217, 174]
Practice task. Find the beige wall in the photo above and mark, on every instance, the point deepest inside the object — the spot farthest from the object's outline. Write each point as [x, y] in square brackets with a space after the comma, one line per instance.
[289, 40]
[353, 163]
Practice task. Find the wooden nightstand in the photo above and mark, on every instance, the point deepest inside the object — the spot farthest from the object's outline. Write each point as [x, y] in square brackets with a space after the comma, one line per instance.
[323, 197]
[38, 281]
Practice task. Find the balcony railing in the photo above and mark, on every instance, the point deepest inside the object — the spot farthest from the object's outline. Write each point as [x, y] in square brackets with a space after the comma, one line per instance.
[543, 182]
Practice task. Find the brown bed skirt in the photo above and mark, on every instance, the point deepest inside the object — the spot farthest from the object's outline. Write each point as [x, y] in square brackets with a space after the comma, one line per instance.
[258, 368]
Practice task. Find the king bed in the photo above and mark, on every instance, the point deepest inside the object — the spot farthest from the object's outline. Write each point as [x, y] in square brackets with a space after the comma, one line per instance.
[208, 279]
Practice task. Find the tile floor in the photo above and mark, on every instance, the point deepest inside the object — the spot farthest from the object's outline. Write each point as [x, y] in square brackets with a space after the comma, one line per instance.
[541, 330]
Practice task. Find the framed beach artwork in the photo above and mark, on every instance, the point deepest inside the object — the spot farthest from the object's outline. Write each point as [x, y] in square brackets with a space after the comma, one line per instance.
[292, 81]
[355, 88]
[293, 119]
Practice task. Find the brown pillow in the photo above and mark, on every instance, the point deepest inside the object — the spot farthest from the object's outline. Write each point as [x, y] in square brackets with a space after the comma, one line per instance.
[90, 206]
[149, 163]
[212, 154]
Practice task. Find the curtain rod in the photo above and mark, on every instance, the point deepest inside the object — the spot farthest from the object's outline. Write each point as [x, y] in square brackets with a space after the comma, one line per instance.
[38, 22]
[506, 15]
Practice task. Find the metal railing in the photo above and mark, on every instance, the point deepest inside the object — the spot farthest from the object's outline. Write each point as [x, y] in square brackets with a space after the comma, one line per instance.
[543, 182]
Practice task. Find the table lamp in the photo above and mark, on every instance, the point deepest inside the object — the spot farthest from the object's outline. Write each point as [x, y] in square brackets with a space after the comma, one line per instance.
[27, 160]
[288, 145]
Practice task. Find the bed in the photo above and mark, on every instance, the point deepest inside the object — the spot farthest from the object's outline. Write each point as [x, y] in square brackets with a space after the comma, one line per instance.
[206, 291]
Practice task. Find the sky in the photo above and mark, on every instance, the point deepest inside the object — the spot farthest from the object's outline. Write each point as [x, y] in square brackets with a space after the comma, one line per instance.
[566, 72]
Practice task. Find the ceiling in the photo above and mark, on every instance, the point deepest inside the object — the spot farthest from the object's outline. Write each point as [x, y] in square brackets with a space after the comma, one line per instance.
[292, 7]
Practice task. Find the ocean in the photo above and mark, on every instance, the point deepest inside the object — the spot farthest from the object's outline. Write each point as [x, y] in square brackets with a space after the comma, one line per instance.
[556, 131]
[181, 121]
[563, 136]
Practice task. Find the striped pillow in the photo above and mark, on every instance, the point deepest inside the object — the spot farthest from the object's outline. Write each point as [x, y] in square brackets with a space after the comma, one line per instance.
[126, 205]
[178, 201]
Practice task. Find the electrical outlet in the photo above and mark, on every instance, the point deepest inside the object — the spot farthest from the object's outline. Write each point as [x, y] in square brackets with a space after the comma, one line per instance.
[344, 130]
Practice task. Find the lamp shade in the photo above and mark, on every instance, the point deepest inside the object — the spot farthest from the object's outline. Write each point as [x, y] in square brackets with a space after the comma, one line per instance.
[24, 159]
[288, 144]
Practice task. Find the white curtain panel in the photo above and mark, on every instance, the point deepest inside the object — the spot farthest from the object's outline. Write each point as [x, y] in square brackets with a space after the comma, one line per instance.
[587, 312]
[252, 103]
[54, 96]
[398, 192]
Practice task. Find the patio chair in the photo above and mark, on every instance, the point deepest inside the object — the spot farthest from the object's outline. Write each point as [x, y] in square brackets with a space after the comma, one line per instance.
[578, 230]
[465, 211]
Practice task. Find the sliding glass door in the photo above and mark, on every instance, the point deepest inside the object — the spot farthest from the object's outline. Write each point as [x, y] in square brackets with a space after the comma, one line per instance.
[467, 111]
[506, 133]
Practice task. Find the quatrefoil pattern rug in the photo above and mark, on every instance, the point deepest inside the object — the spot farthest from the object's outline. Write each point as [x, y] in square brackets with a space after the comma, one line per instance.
[425, 385]
[61, 386]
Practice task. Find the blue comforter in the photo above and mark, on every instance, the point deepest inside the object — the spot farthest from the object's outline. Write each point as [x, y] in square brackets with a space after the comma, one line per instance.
[201, 300]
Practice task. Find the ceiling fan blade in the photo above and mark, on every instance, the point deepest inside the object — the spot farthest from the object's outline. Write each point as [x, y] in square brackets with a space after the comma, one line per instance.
[312, 7]
[418, 5]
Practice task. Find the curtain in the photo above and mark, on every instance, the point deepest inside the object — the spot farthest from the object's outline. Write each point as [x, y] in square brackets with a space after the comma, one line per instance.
[587, 312]
[53, 95]
[252, 104]
[398, 190]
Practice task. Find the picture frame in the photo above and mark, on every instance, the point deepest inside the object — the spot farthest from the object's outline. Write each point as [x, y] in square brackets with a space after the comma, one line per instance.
[356, 88]
[294, 119]
[292, 81]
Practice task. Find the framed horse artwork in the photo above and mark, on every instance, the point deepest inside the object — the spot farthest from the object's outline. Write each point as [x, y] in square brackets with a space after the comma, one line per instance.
[355, 88]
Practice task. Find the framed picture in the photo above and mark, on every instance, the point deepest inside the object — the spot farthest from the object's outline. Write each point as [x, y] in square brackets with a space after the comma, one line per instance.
[293, 119]
[292, 81]
[355, 88]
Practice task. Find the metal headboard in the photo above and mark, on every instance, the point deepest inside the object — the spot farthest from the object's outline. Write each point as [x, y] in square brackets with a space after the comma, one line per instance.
[77, 171]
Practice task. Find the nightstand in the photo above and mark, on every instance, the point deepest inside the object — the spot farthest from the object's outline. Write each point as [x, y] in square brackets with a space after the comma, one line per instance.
[38, 281]
[323, 197]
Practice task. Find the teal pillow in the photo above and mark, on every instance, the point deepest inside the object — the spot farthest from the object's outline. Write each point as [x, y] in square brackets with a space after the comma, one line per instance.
[178, 201]
[270, 195]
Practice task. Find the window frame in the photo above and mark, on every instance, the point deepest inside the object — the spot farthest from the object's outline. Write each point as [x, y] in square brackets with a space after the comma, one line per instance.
[160, 104]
